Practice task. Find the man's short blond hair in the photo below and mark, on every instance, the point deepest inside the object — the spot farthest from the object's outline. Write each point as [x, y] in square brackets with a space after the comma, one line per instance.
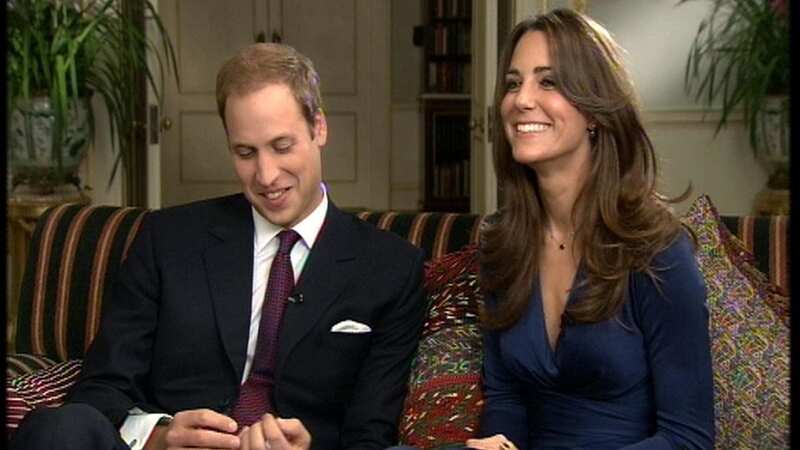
[261, 64]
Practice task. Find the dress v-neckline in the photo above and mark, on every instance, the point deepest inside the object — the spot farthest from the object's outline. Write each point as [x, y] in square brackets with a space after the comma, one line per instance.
[553, 349]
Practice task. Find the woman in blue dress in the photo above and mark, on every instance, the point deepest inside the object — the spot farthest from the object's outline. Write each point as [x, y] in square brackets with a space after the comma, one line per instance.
[596, 321]
[596, 325]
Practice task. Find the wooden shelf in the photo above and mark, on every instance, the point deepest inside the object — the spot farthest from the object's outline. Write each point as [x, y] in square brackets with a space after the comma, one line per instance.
[447, 153]
[447, 45]
[446, 105]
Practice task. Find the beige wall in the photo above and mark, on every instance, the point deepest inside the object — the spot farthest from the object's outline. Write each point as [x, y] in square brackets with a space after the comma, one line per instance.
[722, 167]
[657, 36]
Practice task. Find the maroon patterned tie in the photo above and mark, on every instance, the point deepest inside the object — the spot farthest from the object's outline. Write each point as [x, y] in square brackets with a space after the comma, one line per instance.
[255, 395]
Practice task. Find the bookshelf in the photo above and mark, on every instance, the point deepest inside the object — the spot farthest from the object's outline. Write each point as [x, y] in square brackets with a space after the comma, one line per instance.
[447, 46]
[447, 153]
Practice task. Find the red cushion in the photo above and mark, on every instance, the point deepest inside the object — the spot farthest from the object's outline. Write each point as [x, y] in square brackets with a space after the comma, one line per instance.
[445, 399]
[41, 388]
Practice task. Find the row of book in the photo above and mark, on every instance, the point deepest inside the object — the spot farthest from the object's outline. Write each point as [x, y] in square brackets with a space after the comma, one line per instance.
[451, 180]
[449, 77]
[441, 9]
[452, 39]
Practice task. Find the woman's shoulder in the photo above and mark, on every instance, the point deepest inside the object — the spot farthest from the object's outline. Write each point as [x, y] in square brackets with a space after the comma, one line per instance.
[680, 250]
[673, 273]
[670, 301]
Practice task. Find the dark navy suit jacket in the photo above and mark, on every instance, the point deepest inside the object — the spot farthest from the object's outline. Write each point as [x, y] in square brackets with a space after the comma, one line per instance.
[174, 335]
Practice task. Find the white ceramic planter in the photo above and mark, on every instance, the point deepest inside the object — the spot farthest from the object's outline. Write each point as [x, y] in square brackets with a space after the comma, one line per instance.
[772, 139]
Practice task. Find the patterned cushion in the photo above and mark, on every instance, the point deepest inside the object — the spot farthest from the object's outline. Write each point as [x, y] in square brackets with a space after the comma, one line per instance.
[749, 341]
[444, 401]
[41, 388]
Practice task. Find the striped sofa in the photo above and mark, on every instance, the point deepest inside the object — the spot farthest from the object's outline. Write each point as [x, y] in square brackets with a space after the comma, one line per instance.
[76, 252]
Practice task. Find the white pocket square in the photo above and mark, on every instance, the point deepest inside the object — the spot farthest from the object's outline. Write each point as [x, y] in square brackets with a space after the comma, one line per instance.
[350, 326]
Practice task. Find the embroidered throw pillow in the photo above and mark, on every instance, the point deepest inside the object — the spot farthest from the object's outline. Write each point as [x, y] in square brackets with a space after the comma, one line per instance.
[444, 400]
[749, 341]
[41, 388]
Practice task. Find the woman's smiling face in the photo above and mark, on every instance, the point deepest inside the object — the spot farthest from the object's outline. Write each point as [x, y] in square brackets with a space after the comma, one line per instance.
[539, 123]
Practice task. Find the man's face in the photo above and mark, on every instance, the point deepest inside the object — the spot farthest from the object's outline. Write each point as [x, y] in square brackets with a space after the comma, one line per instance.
[276, 158]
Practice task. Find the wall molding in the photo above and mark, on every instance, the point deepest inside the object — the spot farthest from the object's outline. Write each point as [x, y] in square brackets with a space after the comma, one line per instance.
[686, 115]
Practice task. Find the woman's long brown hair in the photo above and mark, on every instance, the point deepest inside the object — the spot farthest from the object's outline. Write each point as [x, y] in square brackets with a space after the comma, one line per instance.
[621, 221]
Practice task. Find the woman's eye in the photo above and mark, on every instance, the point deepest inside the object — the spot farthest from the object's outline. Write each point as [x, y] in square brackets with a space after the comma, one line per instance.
[548, 83]
[512, 85]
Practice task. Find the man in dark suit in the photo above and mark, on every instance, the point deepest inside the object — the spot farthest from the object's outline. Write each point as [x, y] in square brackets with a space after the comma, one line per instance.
[182, 341]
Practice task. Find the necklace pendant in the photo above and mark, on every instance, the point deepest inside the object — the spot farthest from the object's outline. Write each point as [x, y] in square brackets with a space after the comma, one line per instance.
[561, 246]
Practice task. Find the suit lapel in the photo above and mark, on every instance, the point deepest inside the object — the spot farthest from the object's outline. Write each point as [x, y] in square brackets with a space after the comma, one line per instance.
[329, 268]
[229, 266]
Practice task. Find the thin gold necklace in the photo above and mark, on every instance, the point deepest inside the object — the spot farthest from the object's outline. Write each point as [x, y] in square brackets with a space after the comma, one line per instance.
[563, 244]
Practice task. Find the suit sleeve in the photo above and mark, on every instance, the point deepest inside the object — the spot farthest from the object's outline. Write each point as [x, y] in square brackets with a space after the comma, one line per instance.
[673, 318]
[116, 366]
[371, 418]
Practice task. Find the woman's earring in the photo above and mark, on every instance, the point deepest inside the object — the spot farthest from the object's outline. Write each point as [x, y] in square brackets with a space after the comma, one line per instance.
[592, 132]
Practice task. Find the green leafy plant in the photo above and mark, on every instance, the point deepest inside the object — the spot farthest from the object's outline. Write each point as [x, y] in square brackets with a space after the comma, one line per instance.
[67, 50]
[739, 56]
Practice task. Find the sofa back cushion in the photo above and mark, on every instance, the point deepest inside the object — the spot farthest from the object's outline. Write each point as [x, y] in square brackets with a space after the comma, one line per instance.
[76, 251]
[436, 233]
[767, 239]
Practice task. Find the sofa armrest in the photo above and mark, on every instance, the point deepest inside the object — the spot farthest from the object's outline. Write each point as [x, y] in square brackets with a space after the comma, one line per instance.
[18, 364]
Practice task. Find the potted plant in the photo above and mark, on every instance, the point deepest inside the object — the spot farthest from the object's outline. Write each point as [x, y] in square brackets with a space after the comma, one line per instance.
[60, 53]
[740, 58]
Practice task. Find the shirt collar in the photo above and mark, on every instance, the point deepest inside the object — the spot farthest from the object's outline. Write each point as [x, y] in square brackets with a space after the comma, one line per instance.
[308, 228]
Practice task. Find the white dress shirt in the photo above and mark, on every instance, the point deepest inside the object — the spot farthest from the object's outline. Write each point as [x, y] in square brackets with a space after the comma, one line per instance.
[138, 425]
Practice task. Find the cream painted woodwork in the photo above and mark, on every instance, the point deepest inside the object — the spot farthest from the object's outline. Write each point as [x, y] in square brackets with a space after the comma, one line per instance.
[483, 189]
[348, 41]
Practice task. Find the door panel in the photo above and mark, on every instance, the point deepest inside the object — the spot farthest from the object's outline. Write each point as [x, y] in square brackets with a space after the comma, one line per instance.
[326, 32]
[340, 156]
[205, 132]
[209, 32]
